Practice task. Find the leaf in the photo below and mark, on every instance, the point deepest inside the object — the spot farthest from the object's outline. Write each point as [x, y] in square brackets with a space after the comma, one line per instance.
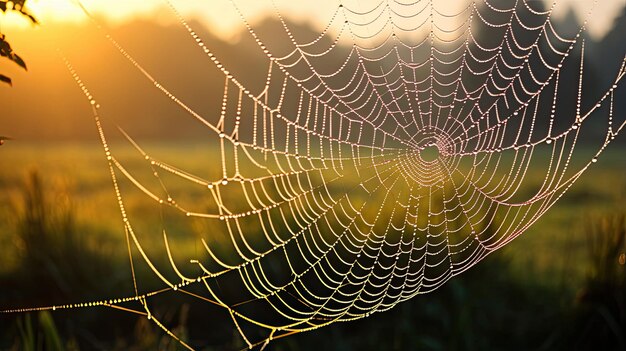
[7, 51]
[17, 59]
[18, 6]
[6, 79]
[5, 48]
[30, 17]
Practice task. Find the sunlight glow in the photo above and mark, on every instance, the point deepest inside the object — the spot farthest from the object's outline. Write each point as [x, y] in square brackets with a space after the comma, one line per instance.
[219, 16]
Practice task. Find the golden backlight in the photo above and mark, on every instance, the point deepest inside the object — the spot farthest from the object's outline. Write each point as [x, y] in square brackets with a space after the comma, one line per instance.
[223, 20]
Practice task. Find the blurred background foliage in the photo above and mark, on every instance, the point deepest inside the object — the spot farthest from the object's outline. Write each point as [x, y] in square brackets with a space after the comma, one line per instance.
[18, 6]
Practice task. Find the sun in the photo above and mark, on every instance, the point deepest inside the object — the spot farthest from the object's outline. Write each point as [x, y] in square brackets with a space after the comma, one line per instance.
[45, 11]
[54, 11]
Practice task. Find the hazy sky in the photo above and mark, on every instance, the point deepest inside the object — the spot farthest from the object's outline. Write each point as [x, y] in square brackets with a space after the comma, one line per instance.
[220, 16]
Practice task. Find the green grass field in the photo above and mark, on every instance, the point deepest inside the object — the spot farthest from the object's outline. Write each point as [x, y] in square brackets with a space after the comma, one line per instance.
[77, 173]
[551, 255]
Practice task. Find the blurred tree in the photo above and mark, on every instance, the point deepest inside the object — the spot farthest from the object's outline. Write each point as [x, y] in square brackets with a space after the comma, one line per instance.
[5, 47]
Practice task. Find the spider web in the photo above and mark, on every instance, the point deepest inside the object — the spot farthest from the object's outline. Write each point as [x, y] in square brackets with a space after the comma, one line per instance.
[370, 167]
